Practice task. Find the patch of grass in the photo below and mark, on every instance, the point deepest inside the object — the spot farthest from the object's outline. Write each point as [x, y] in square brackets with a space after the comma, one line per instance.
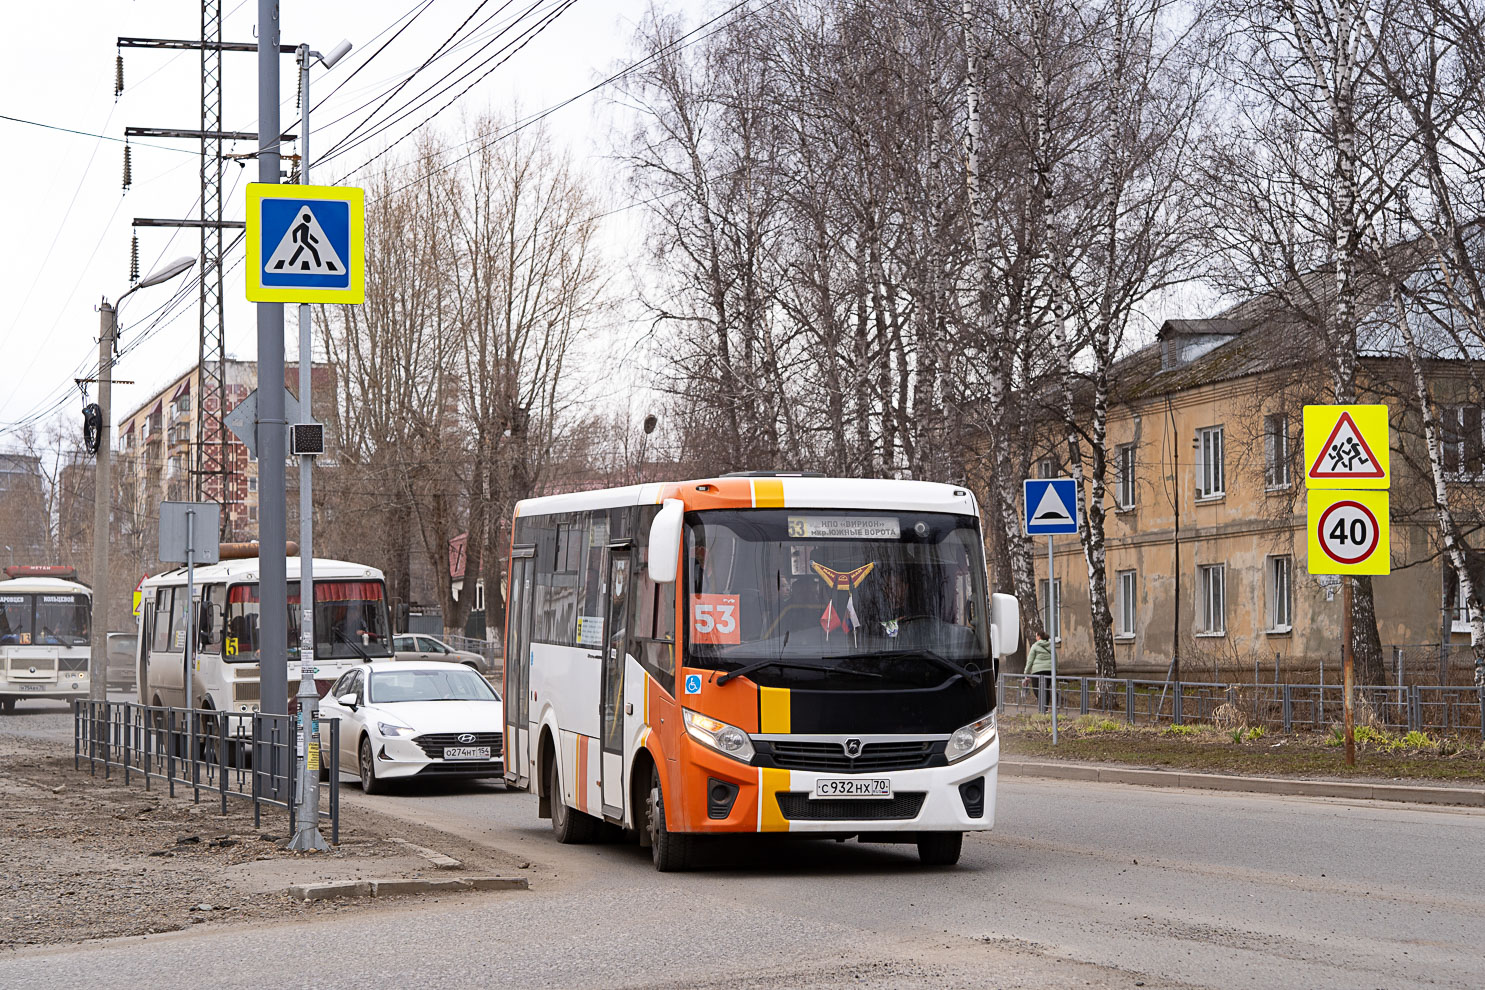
[1181, 730]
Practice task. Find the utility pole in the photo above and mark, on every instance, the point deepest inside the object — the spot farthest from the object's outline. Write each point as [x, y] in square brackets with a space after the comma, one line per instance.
[108, 332]
[272, 564]
[102, 488]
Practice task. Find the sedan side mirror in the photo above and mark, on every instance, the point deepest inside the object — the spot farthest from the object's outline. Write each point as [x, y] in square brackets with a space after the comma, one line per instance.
[349, 700]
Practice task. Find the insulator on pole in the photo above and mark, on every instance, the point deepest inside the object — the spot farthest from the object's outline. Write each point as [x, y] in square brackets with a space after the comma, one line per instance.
[118, 74]
[134, 259]
[299, 91]
[128, 166]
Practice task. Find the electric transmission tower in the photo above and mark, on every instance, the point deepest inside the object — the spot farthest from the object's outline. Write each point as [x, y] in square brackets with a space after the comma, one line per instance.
[210, 466]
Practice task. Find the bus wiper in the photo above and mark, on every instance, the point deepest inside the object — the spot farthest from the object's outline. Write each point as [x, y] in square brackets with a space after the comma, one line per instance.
[973, 675]
[360, 650]
[760, 664]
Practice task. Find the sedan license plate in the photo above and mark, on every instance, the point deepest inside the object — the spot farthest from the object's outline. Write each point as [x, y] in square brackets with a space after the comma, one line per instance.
[466, 752]
[852, 787]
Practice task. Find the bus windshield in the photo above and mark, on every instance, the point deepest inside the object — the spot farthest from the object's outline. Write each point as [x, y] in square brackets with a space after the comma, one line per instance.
[896, 596]
[350, 621]
[45, 620]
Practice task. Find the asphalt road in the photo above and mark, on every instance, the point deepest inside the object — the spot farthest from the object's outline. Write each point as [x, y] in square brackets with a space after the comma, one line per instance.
[1080, 885]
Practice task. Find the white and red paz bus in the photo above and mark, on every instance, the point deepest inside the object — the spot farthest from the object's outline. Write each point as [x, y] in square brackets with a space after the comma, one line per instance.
[756, 654]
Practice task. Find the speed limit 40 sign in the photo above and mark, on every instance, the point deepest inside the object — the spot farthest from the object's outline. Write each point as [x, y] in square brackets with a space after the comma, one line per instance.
[1348, 532]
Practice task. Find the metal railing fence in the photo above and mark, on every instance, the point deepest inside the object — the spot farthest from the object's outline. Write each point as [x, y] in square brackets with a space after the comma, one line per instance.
[1443, 709]
[248, 756]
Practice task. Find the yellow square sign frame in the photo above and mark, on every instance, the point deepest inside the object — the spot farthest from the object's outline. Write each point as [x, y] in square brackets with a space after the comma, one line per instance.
[1340, 514]
[1367, 424]
[260, 192]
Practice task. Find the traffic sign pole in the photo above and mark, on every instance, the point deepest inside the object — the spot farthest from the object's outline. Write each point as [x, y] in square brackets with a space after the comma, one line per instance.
[1348, 663]
[1052, 636]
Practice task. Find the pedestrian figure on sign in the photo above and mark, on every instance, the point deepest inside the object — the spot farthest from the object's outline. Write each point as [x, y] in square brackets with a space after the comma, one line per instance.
[306, 241]
[1039, 665]
[1347, 452]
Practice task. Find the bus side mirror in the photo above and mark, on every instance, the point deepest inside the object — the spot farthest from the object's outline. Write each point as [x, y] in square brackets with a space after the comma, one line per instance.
[665, 541]
[1005, 625]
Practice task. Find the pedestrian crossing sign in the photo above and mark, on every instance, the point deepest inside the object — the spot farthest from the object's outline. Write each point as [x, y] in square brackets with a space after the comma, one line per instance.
[305, 244]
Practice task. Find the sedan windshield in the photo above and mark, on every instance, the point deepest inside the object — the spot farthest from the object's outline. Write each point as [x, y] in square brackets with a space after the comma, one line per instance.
[897, 595]
[457, 684]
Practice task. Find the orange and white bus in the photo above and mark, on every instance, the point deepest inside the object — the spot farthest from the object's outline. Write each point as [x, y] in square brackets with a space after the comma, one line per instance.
[756, 653]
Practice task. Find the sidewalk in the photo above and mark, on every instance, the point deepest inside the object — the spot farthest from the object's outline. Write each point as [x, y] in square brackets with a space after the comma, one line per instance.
[1108, 773]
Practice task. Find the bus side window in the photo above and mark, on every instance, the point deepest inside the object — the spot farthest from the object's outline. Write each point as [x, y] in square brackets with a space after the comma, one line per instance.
[161, 641]
[211, 620]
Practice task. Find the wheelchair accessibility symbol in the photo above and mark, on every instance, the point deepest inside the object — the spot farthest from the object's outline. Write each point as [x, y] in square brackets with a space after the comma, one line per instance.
[693, 683]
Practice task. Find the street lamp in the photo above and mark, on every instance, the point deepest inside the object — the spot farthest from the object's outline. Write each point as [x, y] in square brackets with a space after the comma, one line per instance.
[108, 332]
[307, 837]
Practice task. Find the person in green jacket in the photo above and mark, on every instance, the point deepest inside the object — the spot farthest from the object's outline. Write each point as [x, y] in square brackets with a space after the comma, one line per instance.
[1039, 665]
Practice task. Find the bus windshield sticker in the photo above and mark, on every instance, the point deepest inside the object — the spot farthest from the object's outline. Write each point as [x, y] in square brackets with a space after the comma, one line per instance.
[693, 683]
[844, 528]
[715, 619]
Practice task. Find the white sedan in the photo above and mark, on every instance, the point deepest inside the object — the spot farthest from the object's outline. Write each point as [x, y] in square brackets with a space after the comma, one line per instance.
[401, 719]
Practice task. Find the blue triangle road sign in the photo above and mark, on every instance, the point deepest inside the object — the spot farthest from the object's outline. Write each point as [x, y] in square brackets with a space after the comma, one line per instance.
[1051, 506]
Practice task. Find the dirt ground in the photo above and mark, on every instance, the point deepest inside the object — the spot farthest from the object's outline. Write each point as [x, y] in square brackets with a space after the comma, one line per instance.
[1414, 758]
[82, 857]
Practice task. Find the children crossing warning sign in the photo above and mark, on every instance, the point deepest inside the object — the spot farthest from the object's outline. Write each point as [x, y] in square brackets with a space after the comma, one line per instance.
[1346, 447]
[305, 243]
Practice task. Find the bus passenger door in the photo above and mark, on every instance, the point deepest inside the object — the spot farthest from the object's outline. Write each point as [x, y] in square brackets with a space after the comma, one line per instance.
[516, 689]
[611, 698]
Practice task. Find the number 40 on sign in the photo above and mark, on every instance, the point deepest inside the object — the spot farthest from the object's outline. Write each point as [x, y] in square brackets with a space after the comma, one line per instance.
[1348, 532]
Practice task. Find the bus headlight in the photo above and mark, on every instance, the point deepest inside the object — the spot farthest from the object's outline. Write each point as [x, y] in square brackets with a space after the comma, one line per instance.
[970, 738]
[726, 739]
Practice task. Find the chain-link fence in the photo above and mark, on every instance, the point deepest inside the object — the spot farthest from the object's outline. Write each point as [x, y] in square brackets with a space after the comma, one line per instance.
[248, 756]
[1436, 708]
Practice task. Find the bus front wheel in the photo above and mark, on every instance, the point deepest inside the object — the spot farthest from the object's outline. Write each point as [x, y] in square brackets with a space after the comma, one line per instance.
[7, 706]
[670, 850]
[940, 848]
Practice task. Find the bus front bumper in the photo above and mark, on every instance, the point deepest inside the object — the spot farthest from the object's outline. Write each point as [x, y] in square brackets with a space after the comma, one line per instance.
[959, 797]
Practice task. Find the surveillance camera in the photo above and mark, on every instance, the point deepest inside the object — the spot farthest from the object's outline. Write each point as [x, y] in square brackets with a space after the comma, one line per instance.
[337, 53]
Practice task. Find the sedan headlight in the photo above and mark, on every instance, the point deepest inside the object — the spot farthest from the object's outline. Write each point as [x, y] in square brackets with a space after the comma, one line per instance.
[970, 738]
[726, 739]
[388, 729]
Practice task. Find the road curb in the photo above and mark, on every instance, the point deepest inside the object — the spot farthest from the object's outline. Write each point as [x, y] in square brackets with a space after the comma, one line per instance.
[396, 886]
[1466, 796]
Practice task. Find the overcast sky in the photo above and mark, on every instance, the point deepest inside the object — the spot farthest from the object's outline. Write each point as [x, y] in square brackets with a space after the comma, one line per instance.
[69, 222]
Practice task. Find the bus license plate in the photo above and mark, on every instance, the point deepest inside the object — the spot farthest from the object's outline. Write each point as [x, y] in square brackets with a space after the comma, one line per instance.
[466, 752]
[852, 787]
[32, 687]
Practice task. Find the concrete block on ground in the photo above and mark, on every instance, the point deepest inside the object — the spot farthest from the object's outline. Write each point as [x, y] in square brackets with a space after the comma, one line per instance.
[499, 883]
[325, 891]
[433, 856]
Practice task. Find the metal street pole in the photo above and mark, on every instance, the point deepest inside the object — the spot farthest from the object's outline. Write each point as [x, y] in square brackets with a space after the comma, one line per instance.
[307, 835]
[272, 563]
[1052, 611]
[1348, 660]
[102, 486]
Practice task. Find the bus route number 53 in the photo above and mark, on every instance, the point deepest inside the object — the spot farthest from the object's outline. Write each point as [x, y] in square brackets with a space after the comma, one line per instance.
[714, 619]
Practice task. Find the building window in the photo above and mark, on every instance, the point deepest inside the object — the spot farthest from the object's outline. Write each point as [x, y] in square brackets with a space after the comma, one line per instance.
[1210, 482]
[1460, 613]
[1280, 600]
[1276, 451]
[1052, 607]
[253, 513]
[1463, 447]
[1211, 590]
[253, 483]
[1125, 604]
[1124, 476]
[1046, 467]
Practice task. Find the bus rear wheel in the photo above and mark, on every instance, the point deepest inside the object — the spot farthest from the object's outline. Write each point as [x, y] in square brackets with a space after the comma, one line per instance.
[940, 848]
[568, 825]
[671, 851]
